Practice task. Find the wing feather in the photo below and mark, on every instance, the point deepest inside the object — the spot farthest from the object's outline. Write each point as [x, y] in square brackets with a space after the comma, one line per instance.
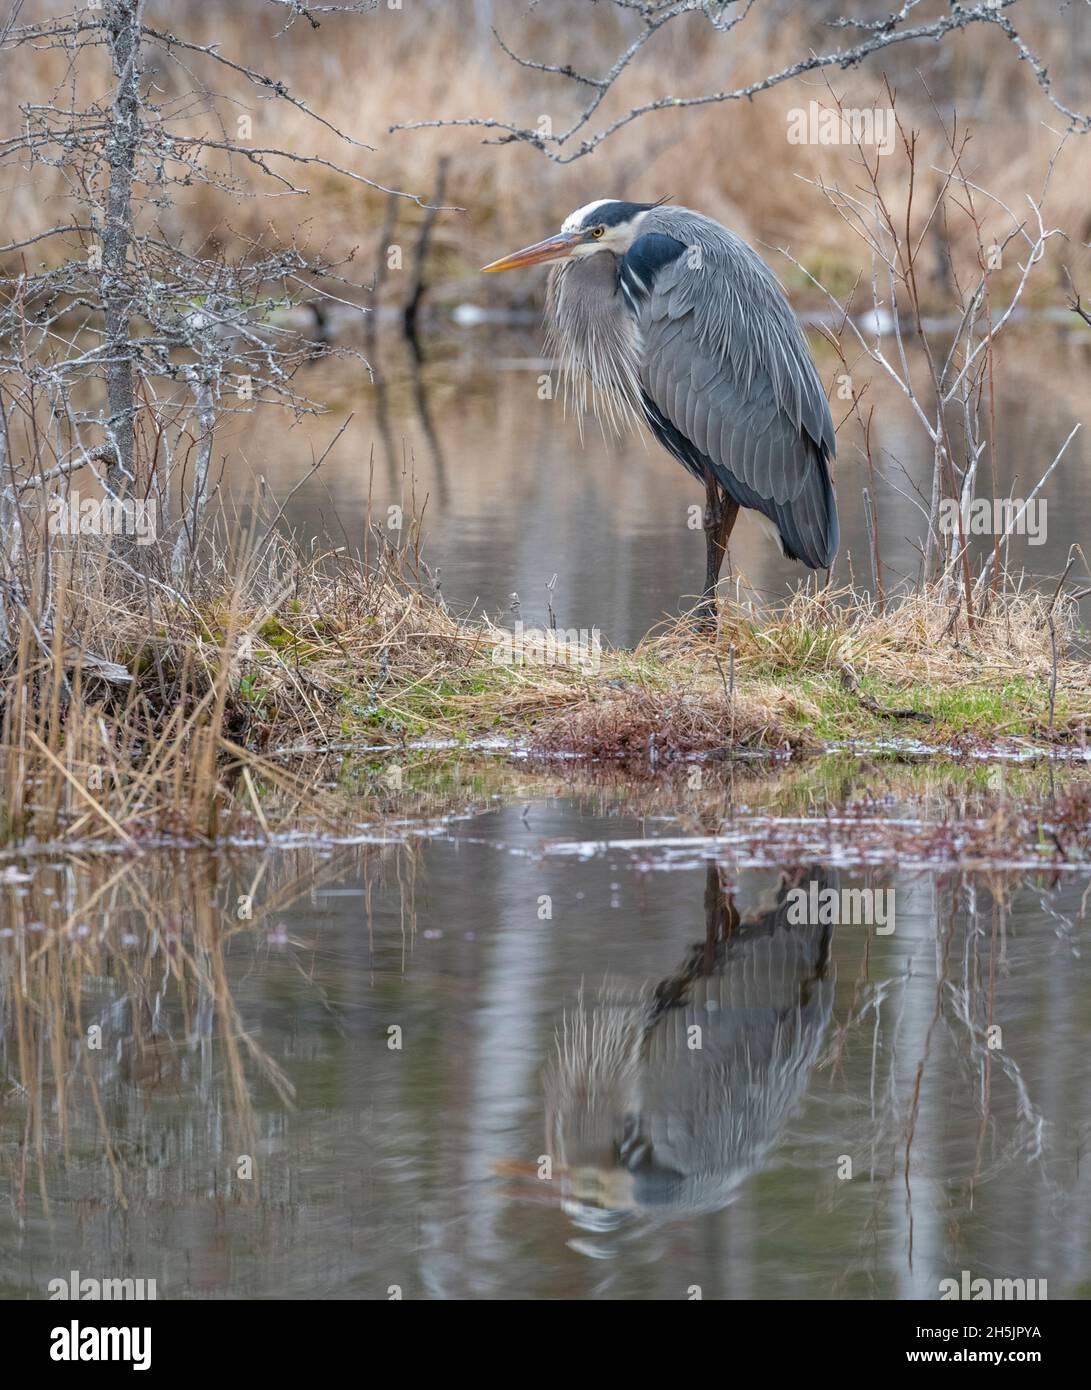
[729, 384]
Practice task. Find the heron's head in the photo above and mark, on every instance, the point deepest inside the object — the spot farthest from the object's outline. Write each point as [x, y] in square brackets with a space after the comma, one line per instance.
[605, 225]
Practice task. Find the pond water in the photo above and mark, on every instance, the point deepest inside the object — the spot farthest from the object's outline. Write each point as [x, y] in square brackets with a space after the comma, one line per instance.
[556, 1048]
[512, 496]
[557, 1042]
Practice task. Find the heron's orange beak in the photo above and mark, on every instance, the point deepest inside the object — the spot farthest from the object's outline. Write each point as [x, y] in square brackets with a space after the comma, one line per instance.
[552, 249]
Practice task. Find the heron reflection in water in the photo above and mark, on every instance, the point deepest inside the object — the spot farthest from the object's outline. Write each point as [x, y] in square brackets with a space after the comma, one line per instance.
[662, 1100]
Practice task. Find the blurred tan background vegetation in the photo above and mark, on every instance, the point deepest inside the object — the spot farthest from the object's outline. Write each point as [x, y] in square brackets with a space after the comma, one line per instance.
[435, 59]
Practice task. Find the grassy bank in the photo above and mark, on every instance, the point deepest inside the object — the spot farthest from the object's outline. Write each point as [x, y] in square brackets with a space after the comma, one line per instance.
[815, 671]
[146, 712]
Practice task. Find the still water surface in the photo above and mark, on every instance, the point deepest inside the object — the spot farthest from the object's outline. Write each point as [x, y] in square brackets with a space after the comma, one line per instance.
[380, 1037]
[512, 495]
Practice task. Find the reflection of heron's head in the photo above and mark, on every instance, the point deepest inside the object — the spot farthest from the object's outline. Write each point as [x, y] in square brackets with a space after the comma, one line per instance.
[661, 1100]
[608, 1169]
[597, 1197]
[592, 1082]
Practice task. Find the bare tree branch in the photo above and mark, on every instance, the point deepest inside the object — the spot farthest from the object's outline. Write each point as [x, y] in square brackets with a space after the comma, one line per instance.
[882, 34]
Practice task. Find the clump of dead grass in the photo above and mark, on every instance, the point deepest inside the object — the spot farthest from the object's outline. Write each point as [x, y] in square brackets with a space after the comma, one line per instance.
[648, 724]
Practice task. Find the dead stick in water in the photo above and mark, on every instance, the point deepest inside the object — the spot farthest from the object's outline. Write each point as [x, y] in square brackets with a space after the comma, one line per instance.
[851, 682]
[382, 266]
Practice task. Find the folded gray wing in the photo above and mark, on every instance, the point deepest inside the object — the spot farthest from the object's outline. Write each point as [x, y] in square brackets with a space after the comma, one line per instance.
[729, 385]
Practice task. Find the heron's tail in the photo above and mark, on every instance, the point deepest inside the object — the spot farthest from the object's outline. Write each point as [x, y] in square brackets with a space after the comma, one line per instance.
[807, 526]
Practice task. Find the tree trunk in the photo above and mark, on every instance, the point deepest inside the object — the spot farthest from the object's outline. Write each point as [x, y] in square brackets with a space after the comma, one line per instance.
[123, 29]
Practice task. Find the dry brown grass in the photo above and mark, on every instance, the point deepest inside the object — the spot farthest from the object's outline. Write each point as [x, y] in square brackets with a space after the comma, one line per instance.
[646, 724]
[921, 638]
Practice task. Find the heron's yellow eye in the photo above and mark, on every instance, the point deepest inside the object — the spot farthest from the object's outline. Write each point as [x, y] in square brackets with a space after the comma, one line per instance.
[598, 231]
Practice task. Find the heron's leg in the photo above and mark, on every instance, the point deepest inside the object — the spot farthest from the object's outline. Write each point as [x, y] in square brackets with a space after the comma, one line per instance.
[713, 517]
[729, 515]
[721, 513]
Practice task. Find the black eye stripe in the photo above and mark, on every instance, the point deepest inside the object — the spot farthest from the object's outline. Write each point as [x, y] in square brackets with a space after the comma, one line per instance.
[609, 214]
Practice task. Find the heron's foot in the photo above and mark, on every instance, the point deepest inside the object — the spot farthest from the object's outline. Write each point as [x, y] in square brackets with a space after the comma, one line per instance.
[706, 615]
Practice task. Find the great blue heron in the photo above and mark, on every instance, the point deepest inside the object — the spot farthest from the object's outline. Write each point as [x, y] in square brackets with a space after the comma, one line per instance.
[671, 318]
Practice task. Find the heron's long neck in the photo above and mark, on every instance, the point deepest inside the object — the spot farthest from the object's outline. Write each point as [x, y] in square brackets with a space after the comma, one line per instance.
[593, 333]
